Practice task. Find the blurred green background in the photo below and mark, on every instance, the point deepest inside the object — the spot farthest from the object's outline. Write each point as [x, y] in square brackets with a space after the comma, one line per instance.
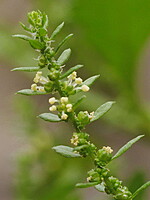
[111, 38]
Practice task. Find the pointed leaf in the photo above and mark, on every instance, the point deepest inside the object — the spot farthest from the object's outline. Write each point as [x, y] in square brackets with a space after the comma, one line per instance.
[78, 102]
[30, 92]
[66, 151]
[35, 44]
[70, 71]
[50, 117]
[24, 27]
[123, 149]
[24, 37]
[26, 69]
[91, 80]
[62, 42]
[45, 20]
[86, 185]
[102, 110]
[64, 56]
[42, 32]
[143, 187]
[56, 31]
[100, 187]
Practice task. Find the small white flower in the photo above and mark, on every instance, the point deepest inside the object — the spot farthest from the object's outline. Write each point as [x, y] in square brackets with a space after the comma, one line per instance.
[53, 108]
[75, 140]
[64, 100]
[91, 115]
[108, 149]
[89, 178]
[69, 107]
[85, 88]
[34, 87]
[52, 100]
[37, 77]
[41, 89]
[78, 80]
[64, 116]
[72, 76]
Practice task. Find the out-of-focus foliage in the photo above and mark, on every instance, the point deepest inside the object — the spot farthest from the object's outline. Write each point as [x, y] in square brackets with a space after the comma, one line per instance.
[116, 32]
[41, 174]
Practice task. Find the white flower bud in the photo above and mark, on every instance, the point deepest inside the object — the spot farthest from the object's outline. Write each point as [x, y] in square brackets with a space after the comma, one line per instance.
[34, 87]
[64, 100]
[69, 107]
[85, 88]
[72, 76]
[52, 100]
[89, 178]
[41, 89]
[37, 77]
[64, 116]
[108, 149]
[78, 80]
[53, 108]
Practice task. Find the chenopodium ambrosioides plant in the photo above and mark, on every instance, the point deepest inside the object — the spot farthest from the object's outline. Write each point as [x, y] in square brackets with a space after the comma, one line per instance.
[67, 84]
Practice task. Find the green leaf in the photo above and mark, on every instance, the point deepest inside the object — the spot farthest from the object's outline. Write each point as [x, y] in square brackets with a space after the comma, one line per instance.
[70, 71]
[24, 27]
[102, 110]
[78, 102]
[24, 37]
[26, 69]
[35, 44]
[64, 56]
[91, 80]
[100, 187]
[63, 41]
[123, 149]
[86, 185]
[56, 31]
[42, 32]
[66, 151]
[30, 92]
[45, 20]
[50, 117]
[143, 187]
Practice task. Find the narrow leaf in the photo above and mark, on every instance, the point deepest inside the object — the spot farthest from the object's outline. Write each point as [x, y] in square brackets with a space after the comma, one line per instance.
[66, 151]
[50, 117]
[143, 187]
[63, 41]
[102, 110]
[64, 56]
[42, 32]
[91, 80]
[78, 102]
[70, 71]
[86, 185]
[45, 21]
[24, 27]
[56, 31]
[26, 69]
[123, 149]
[24, 37]
[100, 187]
[35, 44]
[30, 92]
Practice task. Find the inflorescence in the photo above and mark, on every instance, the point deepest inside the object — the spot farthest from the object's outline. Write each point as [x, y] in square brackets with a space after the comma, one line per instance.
[67, 84]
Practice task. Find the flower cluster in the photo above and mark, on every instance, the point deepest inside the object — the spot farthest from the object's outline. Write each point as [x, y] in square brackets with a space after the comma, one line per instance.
[67, 84]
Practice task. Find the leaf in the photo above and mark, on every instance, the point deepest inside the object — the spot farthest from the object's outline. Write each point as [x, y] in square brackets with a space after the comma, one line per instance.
[143, 187]
[56, 31]
[44, 20]
[66, 151]
[91, 80]
[24, 27]
[24, 37]
[35, 44]
[30, 92]
[86, 185]
[26, 69]
[78, 102]
[42, 32]
[102, 110]
[100, 187]
[123, 149]
[63, 41]
[64, 56]
[70, 71]
[50, 117]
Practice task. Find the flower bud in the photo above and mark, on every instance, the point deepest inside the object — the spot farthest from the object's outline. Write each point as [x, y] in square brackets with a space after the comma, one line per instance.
[34, 87]
[78, 80]
[85, 88]
[64, 100]
[53, 108]
[64, 116]
[52, 100]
